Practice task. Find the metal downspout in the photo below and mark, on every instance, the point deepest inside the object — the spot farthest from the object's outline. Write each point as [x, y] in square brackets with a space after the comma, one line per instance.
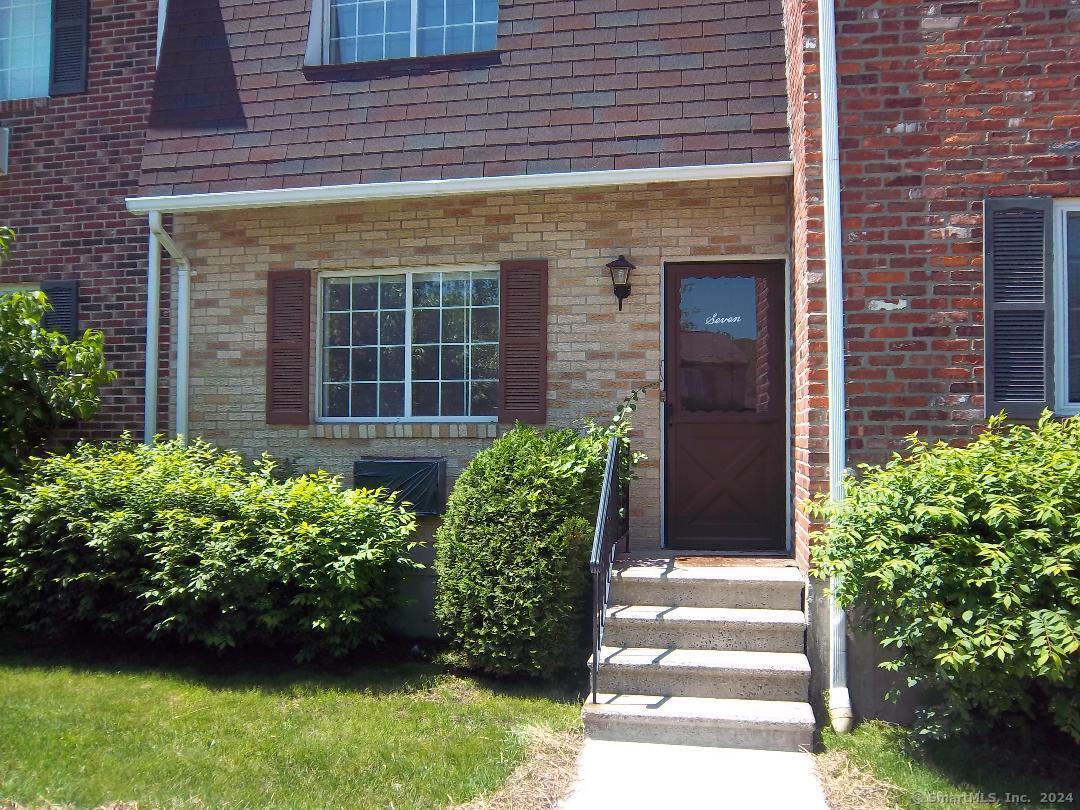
[840, 709]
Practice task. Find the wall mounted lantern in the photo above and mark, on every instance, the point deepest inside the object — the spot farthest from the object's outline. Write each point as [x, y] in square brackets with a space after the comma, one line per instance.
[620, 270]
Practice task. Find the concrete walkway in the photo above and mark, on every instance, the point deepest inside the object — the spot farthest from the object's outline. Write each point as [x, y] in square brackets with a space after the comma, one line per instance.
[648, 776]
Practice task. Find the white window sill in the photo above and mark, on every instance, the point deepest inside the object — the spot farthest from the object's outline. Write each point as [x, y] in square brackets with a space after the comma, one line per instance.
[405, 420]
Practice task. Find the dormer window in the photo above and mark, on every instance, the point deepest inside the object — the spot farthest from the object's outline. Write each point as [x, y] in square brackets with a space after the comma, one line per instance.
[375, 30]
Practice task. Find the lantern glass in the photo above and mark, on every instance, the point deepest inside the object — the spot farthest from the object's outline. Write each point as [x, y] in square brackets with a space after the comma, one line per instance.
[620, 270]
[620, 278]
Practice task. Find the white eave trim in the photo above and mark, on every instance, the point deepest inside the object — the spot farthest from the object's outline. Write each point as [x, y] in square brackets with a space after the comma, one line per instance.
[315, 195]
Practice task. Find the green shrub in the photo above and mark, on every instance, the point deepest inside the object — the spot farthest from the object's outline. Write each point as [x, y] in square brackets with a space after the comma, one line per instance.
[963, 561]
[44, 378]
[512, 552]
[186, 543]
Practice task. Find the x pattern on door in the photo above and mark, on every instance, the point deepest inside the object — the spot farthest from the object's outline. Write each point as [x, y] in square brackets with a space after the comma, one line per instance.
[727, 483]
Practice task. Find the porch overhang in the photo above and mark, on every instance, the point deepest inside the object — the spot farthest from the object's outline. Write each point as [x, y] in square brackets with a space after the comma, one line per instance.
[414, 189]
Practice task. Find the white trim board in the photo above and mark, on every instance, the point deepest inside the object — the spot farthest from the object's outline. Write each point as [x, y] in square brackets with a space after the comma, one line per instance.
[411, 189]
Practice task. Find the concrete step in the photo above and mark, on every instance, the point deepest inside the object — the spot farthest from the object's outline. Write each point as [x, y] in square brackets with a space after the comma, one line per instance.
[704, 673]
[701, 628]
[780, 588]
[771, 725]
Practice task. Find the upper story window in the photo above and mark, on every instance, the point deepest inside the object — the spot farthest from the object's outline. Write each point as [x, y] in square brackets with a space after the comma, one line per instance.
[417, 345]
[372, 30]
[25, 48]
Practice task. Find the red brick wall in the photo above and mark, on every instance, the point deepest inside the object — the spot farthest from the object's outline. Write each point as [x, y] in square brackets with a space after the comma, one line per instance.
[73, 160]
[810, 461]
[941, 104]
[578, 85]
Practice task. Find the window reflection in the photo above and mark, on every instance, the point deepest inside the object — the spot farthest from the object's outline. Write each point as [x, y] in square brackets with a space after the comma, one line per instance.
[723, 344]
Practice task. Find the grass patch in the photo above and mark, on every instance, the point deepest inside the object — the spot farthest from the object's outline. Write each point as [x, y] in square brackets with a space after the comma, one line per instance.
[889, 766]
[94, 727]
[543, 778]
[849, 786]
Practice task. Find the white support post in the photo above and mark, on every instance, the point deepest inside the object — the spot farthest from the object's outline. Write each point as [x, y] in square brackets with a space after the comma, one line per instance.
[153, 330]
[183, 346]
[159, 238]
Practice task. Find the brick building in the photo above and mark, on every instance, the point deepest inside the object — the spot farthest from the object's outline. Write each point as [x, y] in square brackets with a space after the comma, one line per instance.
[941, 107]
[592, 131]
[393, 222]
[76, 82]
[955, 131]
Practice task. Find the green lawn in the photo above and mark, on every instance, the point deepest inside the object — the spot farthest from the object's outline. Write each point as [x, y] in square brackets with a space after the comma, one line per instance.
[84, 730]
[981, 773]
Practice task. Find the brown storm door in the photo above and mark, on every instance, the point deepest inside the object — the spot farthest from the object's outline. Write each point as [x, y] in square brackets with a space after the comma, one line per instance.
[724, 388]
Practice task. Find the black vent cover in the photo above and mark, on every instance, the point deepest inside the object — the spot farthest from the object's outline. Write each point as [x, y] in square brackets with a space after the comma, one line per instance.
[420, 481]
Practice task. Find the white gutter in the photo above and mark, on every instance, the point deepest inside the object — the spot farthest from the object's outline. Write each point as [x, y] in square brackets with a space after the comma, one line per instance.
[840, 709]
[159, 238]
[410, 189]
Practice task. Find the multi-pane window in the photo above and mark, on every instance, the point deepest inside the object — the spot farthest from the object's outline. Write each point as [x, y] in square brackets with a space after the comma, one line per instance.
[25, 48]
[421, 344]
[370, 30]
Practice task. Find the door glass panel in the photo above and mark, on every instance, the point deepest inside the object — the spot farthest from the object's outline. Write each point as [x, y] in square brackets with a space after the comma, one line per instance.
[723, 352]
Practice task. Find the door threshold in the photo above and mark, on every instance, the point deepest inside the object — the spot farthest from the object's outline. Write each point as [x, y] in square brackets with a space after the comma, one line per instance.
[724, 553]
[666, 553]
[706, 559]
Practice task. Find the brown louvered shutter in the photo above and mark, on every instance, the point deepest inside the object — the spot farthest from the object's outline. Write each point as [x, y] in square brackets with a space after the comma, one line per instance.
[64, 315]
[288, 347]
[70, 34]
[1019, 324]
[523, 342]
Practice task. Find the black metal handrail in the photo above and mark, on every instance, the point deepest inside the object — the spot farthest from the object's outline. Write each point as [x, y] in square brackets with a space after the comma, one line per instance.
[612, 530]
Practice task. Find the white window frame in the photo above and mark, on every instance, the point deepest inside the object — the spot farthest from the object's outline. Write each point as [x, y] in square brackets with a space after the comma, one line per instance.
[1062, 405]
[409, 273]
[326, 6]
[47, 37]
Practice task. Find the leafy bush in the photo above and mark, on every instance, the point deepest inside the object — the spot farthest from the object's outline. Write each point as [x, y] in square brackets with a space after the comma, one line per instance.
[44, 378]
[963, 560]
[186, 543]
[513, 549]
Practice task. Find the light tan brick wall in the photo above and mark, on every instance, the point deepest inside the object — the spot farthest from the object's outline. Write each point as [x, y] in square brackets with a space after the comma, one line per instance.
[596, 354]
